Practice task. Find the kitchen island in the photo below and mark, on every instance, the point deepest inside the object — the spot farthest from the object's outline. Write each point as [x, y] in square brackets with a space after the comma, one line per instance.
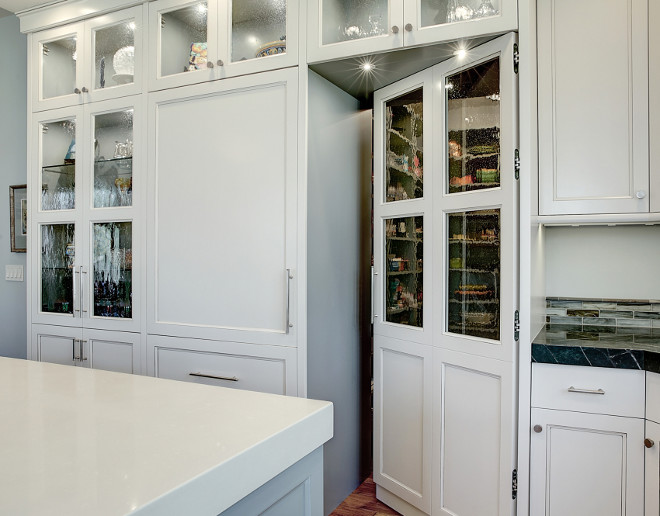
[78, 441]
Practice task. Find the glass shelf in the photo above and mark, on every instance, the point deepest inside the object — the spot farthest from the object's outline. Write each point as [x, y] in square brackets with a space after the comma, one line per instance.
[404, 270]
[473, 293]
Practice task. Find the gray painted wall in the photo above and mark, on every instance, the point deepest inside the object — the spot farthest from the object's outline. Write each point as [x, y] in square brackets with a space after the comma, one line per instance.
[13, 171]
[339, 260]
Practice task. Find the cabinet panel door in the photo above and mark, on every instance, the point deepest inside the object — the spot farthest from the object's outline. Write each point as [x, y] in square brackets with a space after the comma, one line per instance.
[56, 345]
[223, 209]
[402, 420]
[57, 61]
[593, 106]
[586, 464]
[654, 104]
[111, 351]
[343, 28]
[473, 444]
[652, 471]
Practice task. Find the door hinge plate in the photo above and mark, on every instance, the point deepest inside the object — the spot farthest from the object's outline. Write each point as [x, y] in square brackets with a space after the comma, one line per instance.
[516, 326]
[516, 58]
[516, 164]
[514, 484]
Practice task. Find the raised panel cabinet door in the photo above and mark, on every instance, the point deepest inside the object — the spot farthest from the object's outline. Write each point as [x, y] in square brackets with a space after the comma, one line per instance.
[57, 345]
[343, 28]
[593, 106]
[434, 21]
[223, 208]
[56, 59]
[652, 469]
[402, 420]
[473, 441]
[111, 351]
[584, 464]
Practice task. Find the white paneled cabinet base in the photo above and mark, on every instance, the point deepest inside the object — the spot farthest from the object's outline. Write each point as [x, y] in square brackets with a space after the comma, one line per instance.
[445, 283]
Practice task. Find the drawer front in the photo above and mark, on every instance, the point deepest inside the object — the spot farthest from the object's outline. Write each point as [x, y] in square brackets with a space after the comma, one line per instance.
[617, 392]
[233, 369]
[653, 397]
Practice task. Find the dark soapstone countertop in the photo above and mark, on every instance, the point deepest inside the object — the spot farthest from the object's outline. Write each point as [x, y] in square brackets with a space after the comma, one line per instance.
[598, 346]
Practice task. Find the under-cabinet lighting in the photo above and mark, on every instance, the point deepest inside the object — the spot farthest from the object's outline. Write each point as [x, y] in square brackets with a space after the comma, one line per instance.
[131, 26]
[367, 66]
[461, 53]
[202, 8]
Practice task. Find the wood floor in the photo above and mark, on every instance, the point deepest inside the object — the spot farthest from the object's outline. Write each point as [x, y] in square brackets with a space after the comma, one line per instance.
[362, 502]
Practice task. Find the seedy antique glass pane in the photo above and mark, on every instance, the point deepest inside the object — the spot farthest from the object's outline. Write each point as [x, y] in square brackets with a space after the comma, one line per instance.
[258, 29]
[344, 20]
[183, 39]
[58, 165]
[112, 269]
[404, 254]
[404, 147]
[113, 159]
[57, 260]
[473, 293]
[58, 67]
[439, 12]
[114, 53]
[473, 121]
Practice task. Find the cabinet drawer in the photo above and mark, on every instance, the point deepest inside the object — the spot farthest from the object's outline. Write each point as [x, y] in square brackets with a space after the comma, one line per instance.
[233, 369]
[597, 390]
[653, 397]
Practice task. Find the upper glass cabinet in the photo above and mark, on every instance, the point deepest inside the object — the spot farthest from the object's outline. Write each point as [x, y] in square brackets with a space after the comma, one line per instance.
[193, 42]
[94, 60]
[343, 28]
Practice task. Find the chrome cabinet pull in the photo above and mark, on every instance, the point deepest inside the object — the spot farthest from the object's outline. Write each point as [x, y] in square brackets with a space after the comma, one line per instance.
[586, 391]
[395, 29]
[221, 62]
[289, 277]
[408, 27]
[77, 91]
[82, 271]
[76, 273]
[225, 378]
[85, 90]
[538, 429]
[209, 64]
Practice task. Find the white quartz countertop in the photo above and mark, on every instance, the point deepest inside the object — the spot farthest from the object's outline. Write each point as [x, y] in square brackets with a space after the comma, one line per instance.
[77, 441]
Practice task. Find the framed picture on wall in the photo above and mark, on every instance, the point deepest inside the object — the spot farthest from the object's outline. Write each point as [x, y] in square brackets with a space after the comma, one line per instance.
[18, 218]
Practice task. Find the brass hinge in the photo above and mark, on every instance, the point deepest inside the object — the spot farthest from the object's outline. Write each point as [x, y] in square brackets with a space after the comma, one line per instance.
[516, 326]
[516, 164]
[514, 484]
[516, 58]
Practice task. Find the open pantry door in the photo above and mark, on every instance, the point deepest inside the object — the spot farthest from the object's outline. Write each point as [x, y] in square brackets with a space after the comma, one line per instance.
[475, 282]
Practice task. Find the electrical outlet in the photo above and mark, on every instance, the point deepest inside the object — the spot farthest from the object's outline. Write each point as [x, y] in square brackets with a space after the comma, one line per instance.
[14, 272]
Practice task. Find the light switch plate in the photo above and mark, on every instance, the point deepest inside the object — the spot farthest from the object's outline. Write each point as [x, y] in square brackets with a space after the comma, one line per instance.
[14, 272]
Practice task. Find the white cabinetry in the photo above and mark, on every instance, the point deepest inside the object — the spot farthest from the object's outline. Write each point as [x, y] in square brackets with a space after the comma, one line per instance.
[652, 444]
[76, 63]
[593, 91]
[654, 104]
[198, 41]
[587, 451]
[342, 28]
[110, 351]
[223, 210]
[445, 274]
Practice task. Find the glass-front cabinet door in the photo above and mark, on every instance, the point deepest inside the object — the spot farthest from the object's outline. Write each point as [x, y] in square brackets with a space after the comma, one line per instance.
[203, 40]
[83, 62]
[57, 66]
[402, 215]
[431, 21]
[477, 203]
[341, 28]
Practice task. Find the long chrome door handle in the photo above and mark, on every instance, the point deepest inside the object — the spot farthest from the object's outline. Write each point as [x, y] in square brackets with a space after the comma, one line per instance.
[82, 290]
[82, 350]
[289, 277]
[76, 273]
[75, 357]
[214, 377]
[586, 391]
